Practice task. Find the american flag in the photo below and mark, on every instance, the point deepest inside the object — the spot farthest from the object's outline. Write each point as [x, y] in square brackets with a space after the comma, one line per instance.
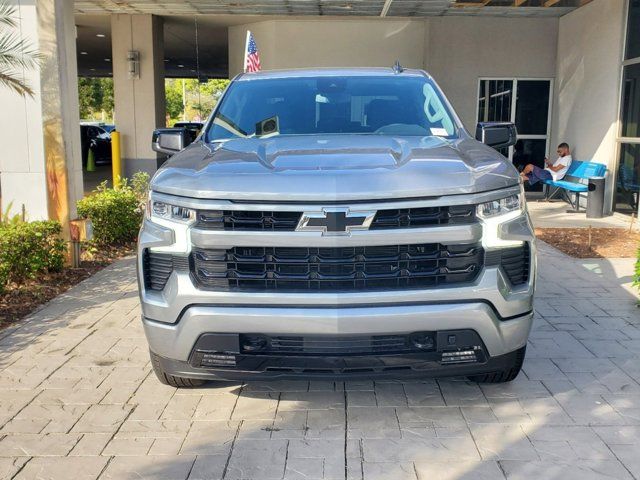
[252, 57]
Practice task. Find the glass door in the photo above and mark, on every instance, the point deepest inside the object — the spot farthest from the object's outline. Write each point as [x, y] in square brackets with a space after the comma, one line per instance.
[495, 102]
[526, 102]
[628, 171]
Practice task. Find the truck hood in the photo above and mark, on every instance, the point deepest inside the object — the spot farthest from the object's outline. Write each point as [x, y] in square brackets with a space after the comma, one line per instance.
[334, 168]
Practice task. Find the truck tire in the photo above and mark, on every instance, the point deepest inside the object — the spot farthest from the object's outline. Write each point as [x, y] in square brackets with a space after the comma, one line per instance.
[505, 375]
[172, 380]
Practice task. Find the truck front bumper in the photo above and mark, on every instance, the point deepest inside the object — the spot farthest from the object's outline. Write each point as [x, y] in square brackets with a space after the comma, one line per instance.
[474, 327]
[177, 316]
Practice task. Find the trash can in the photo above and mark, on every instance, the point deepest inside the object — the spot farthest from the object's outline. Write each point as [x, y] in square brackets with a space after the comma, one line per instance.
[595, 198]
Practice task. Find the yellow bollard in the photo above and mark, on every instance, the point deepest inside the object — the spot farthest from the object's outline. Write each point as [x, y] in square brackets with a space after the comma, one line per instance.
[116, 159]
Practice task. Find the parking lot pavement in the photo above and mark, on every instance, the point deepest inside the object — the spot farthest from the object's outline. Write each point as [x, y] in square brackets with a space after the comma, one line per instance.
[78, 400]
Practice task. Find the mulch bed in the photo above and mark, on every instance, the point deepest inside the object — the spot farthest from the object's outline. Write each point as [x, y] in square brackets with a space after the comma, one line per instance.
[20, 300]
[604, 243]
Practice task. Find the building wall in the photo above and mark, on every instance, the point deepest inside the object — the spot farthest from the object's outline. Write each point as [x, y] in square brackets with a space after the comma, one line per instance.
[22, 155]
[590, 49]
[457, 51]
[297, 43]
[40, 161]
[464, 49]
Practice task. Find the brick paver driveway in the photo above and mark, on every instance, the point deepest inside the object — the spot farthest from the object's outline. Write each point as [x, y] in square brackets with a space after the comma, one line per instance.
[78, 400]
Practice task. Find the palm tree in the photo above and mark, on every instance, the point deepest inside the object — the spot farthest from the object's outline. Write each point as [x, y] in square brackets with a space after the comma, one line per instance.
[16, 55]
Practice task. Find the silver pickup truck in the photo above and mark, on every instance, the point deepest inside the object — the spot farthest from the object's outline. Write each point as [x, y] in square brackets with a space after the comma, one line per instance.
[332, 223]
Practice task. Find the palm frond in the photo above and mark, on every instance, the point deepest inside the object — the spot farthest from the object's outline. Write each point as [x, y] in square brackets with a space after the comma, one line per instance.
[12, 80]
[8, 14]
[17, 53]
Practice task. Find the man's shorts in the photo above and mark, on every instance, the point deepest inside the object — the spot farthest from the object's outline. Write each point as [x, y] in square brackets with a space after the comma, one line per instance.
[538, 174]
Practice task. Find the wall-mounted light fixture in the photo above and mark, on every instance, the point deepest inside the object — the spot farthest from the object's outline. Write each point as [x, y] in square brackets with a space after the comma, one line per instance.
[133, 63]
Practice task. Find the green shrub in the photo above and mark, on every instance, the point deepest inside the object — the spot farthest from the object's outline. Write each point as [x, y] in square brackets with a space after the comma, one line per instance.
[636, 277]
[28, 248]
[116, 213]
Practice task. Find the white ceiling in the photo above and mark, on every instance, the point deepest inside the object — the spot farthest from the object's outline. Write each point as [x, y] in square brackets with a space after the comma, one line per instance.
[215, 16]
[403, 8]
[179, 44]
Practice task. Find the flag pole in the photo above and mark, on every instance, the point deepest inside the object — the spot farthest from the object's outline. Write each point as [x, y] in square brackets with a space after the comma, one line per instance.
[246, 50]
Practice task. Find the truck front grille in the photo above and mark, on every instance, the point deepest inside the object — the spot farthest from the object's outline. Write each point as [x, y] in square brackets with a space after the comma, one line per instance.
[231, 220]
[234, 220]
[424, 217]
[336, 269]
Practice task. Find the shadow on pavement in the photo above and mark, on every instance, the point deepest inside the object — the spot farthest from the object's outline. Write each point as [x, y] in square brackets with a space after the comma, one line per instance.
[76, 391]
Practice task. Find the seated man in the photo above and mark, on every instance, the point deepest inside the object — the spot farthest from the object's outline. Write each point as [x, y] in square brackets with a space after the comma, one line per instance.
[553, 170]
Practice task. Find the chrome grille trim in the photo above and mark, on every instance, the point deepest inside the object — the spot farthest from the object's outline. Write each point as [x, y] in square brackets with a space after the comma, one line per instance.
[257, 205]
[447, 235]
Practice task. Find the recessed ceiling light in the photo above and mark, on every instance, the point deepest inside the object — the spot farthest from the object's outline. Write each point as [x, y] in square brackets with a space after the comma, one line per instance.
[100, 35]
[166, 59]
[193, 70]
[107, 59]
[84, 53]
[92, 69]
[180, 66]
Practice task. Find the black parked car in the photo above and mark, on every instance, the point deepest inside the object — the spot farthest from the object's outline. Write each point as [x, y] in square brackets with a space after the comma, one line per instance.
[98, 140]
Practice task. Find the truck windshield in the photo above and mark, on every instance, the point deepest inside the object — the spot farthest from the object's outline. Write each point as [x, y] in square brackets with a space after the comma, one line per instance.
[394, 105]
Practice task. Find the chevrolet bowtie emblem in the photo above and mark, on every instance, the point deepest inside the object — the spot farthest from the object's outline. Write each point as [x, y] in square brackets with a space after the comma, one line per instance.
[335, 221]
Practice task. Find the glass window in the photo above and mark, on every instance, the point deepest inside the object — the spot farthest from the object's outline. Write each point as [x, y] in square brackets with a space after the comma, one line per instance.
[393, 105]
[628, 179]
[532, 107]
[631, 101]
[633, 30]
[628, 173]
[494, 100]
[527, 151]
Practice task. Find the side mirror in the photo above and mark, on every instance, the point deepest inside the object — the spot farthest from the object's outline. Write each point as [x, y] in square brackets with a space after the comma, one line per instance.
[497, 134]
[170, 140]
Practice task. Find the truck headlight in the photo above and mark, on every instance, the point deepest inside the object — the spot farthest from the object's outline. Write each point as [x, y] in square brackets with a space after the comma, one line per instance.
[495, 214]
[503, 206]
[166, 211]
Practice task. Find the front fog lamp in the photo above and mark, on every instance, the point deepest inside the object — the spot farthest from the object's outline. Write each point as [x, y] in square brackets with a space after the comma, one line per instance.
[503, 206]
[171, 212]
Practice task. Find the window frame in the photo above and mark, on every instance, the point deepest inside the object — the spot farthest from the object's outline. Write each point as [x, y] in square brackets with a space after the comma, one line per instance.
[512, 119]
[620, 139]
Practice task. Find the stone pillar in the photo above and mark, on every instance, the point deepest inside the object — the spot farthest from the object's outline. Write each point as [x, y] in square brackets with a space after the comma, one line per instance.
[40, 164]
[139, 102]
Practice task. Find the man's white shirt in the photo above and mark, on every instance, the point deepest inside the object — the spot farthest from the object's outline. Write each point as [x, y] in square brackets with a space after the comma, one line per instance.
[565, 162]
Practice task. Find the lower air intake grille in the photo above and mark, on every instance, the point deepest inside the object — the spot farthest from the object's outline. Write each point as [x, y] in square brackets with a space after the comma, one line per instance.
[515, 262]
[157, 268]
[334, 345]
[336, 269]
